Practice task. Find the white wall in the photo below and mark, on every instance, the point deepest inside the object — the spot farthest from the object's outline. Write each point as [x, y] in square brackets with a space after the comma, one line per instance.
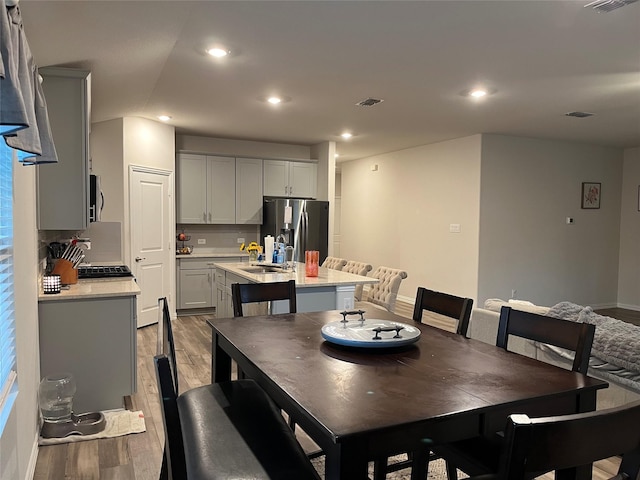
[529, 187]
[629, 269]
[399, 215]
[246, 148]
[19, 440]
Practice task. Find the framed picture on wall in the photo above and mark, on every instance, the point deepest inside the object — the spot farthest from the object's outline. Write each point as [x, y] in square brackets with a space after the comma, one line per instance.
[591, 195]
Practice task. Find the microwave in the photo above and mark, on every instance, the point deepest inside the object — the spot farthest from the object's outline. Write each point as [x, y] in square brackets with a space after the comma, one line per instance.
[96, 199]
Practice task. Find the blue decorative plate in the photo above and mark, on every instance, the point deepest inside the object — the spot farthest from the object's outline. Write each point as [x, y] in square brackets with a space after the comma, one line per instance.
[370, 333]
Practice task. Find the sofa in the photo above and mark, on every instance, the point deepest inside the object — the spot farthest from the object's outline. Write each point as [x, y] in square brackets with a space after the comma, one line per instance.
[615, 355]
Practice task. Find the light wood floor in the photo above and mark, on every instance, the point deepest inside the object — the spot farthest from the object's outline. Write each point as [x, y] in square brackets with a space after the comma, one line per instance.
[138, 456]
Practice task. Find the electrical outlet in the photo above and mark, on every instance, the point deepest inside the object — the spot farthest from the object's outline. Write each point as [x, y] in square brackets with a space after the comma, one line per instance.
[202, 241]
[240, 240]
[454, 228]
[569, 220]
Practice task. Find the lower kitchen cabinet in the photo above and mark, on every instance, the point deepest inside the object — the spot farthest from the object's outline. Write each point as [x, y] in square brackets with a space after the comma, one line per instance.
[94, 339]
[197, 283]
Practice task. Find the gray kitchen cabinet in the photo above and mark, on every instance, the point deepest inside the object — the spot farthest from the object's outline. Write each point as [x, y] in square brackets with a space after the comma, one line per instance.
[63, 187]
[95, 340]
[249, 191]
[195, 284]
[224, 280]
[285, 178]
[206, 189]
[198, 282]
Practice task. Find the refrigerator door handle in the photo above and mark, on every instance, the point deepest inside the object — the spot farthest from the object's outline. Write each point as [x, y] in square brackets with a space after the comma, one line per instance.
[306, 229]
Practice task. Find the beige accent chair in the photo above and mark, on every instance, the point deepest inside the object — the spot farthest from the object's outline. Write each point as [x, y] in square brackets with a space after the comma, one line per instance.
[384, 293]
[334, 263]
[359, 268]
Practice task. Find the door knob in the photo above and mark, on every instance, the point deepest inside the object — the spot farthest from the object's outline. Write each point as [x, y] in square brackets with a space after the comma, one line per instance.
[139, 259]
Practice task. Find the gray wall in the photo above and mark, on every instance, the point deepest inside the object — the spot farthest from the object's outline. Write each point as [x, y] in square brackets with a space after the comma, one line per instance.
[511, 196]
[529, 187]
[629, 271]
[399, 215]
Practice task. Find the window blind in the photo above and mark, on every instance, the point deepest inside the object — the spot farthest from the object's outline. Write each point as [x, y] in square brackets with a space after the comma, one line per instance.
[8, 386]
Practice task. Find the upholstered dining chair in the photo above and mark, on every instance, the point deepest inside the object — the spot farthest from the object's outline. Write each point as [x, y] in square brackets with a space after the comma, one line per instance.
[458, 308]
[384, 293]
[359, 268]
[262, 292]
[223, 429]
[334, 263]
[533, 446]
[480, 455]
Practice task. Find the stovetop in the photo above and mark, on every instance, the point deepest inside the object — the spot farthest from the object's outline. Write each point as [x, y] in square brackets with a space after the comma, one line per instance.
[104, 271]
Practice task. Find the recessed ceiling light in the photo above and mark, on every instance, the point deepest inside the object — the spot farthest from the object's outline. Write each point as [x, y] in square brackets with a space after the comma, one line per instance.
[478, 92]
[164, 118]
[335, 155]
[274, 100]
[218, 52]
[346, 135]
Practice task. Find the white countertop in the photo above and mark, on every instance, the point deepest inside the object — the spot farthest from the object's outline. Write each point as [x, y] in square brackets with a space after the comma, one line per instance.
[94, 288]
[326, 277]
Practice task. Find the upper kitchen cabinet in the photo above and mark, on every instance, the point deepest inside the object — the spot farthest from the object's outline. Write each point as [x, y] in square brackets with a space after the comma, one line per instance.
[63, 187]
[219, 190]
[206, 189]
[249, 191]
[284, 178]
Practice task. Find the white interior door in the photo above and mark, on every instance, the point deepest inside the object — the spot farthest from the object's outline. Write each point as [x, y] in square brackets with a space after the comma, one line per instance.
[150, 195]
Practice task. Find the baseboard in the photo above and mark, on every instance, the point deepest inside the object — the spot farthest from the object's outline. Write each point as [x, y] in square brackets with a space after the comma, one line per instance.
[33, 459]
[628, 307]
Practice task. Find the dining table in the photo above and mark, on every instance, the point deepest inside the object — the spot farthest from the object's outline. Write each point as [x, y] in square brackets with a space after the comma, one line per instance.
[362, 403]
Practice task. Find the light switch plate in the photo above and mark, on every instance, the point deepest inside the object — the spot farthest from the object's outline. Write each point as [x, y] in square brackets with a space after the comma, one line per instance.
[202, 241]
[454, 228]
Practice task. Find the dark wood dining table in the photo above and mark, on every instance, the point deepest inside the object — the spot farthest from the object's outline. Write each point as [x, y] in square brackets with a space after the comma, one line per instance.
[360, 404]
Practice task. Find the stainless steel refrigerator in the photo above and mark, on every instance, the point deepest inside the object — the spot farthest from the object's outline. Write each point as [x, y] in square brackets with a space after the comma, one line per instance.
[304, 224]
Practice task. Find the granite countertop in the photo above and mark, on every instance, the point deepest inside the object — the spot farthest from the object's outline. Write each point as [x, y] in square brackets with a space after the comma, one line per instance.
[94, 288]
[326, 277]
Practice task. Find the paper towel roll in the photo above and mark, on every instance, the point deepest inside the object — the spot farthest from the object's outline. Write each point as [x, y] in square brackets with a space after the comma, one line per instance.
[268, 248]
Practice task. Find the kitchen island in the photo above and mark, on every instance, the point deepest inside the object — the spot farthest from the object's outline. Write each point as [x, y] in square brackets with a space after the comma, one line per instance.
[330, 290]
[89, 331]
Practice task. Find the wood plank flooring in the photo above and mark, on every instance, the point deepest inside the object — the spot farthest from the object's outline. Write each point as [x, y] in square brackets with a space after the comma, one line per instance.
[139, 456]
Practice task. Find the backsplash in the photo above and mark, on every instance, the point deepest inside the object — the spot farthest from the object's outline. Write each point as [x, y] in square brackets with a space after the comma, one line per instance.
[219, 237]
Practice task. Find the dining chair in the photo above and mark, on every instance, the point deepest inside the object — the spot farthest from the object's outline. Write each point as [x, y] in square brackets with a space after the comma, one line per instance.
[242, 293]
[384, 293]
[334, 263]
[534, 446]
[222, 430]
[359, 268]
[480, 455]
[458, 308]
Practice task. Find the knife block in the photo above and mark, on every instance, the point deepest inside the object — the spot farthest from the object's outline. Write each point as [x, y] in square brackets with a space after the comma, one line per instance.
[68, 274]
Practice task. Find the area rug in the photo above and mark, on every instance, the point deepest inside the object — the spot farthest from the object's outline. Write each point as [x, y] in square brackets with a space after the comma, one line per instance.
[118, 423]
[437, 469]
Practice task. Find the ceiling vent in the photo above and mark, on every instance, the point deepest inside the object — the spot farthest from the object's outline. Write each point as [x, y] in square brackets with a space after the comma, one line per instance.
[606, 6]
[579, 114]
[369, 102]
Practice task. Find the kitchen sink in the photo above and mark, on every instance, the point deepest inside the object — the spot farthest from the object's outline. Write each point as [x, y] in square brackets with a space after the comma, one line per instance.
[265, 269]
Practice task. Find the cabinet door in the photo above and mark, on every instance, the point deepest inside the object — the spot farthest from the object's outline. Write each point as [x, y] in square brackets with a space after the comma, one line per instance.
[303, 179]
[221, 200]
[63, 187]
[196, 288]
[276, 178]
[192, 189]
[249, 191]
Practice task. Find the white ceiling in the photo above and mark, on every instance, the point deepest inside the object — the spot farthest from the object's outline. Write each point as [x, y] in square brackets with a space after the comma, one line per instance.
[543, 58]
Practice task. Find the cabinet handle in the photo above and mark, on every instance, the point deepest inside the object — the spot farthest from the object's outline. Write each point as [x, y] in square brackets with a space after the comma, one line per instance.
[209, 217]
[290, 191]
[204, 216]
[285, 190]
